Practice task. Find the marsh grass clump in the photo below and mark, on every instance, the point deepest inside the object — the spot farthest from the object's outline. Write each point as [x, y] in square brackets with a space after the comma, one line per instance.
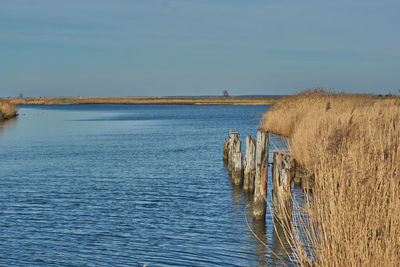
[7, 110]
[352, 145]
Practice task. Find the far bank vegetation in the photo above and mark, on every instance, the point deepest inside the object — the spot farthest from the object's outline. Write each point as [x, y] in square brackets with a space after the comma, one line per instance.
[145, 100]
[7, 110]
[352, 145]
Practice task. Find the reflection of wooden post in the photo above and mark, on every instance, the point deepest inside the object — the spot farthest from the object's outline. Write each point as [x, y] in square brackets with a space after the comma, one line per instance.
[283, 171]
[226, 151]
[260, 181]
[249, 168]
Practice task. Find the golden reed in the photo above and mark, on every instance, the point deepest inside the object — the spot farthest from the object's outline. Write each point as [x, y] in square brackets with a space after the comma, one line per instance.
[7, 110]
[352, 145]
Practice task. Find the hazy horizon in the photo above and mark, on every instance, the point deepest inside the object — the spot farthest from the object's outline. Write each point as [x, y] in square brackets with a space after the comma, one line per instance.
[192, 48]
[166, 96]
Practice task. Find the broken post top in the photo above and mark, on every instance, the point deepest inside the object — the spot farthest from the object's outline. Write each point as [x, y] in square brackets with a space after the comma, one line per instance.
[284, 154]
[250, 139]
[233, 135]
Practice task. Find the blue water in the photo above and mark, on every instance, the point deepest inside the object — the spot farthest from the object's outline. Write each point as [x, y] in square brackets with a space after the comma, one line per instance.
[125, 185]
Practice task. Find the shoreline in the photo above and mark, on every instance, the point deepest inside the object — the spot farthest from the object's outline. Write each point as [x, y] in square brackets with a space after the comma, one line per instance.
[350, 143]
[242, 101]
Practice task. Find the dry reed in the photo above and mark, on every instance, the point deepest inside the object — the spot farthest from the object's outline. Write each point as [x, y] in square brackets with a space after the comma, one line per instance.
[7, 110]
[352, 145]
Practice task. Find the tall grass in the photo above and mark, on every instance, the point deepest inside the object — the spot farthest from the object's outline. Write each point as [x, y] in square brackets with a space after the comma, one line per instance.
[352, 145]
[7, 110]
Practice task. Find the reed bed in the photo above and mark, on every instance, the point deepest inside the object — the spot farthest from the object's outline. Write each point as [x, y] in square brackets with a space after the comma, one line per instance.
[351, 143]
[7, 110]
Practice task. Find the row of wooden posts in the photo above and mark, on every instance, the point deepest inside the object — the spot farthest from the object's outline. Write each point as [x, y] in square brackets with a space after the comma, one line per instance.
[252, 173]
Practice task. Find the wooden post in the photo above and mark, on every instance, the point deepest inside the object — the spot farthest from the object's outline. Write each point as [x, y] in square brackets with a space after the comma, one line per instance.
[226, 151]
[237, 169]
[236, 159]
[260, 181]
[249, 165]
[299, 174]
[283, 171]
[233, 137]
[307, 182]
[297, 179]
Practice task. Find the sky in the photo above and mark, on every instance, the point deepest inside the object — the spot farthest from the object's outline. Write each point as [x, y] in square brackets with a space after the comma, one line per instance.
[198, 47]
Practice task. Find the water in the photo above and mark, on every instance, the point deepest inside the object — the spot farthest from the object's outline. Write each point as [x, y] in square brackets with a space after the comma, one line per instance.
[93, 185]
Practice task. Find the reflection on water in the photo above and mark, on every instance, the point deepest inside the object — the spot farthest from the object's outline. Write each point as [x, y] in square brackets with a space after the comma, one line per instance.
[270, 251]
[237, 196]
[282, 246]
[94, 185]
[7, 124]
[260, 247]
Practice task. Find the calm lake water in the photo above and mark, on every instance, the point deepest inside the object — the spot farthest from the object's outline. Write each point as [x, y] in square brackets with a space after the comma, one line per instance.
[118, 185]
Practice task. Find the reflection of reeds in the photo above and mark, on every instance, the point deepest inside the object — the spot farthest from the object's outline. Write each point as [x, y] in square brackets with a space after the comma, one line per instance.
[352, 145]
[7, 110]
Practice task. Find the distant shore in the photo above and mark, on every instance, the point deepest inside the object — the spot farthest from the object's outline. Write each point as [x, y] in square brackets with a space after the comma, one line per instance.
[254, 101]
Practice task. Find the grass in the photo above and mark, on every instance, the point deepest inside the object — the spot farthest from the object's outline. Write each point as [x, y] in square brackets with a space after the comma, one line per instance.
[146, 100]
[7, 110]
[352, 145]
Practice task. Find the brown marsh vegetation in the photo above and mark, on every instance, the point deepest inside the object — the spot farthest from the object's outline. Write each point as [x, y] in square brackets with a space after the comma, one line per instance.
[146, 100]
[7, 110]
[352, 145]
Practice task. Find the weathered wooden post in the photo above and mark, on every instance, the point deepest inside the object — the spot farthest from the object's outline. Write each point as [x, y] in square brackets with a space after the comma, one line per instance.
[233, 137]
[283, 171]
[226, 151]
[299, 174]
[307, 182]
[249, 165]
[297, 177]
[237, 169]
[260, 181]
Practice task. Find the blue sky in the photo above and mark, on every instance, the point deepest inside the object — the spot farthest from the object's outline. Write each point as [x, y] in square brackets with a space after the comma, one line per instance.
[197, 47]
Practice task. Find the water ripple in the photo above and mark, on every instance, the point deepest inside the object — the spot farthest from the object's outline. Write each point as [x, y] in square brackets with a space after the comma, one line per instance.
[124, 186]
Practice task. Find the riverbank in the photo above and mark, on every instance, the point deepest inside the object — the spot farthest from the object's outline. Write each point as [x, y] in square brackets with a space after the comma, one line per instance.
[7, 110]
[262, 101]
[352, 145]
